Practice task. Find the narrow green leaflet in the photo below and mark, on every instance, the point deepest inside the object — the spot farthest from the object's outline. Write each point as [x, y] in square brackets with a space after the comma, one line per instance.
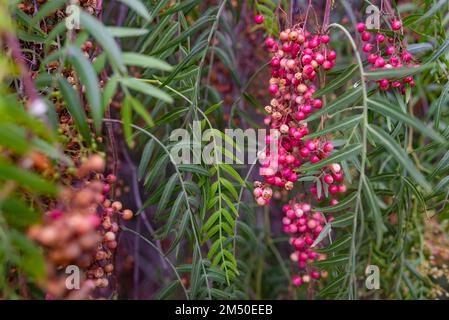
[26, 179]
[213, 108]
[138, 7]
[75, 108]
[438, 53]
[89, 80]
[338, 82]
[335, 285]
[442, 165]
[194, 168]
[145, 158]
[323, 234]
[140, 110]
[146, 88]
[197, 26]
[343, 204]
[433, 10]
[125, 32]
[439, 105]
[385, 108]
[396, 73]
[168, 192]
[167, 291]
[343, 220]
[399, 154]
[126, 114]
[346, 100]
[375, 210]
[231, 171]
[101, 34]
[341, 243]
[346, 123]
[137, 59]
[334, 261]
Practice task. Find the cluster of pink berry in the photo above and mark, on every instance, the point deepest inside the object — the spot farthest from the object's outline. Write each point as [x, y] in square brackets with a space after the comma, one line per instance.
[387, 52]
[102, 265]
[81, 229]
[304, 226]
[298, 57]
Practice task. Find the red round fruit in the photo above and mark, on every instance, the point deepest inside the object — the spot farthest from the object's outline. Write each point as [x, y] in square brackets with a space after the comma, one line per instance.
[380, 62]
[390, 50]
[269, 42]
[367, 47]
[380, 38]
[297, 281]
[314, 159]
[275, 62]
[273, 89]
[258, 19]
[366, 36]
[317, 103]
[396, 25]
[342, 188]
[331, 55]
[360, 27]
[304, 152]
[327, 65]
[328, 146]
[383, 82]
[328, 179]
[325, 39]
[333, 189]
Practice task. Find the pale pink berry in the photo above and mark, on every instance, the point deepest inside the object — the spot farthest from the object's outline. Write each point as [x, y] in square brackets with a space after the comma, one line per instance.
[261, 201]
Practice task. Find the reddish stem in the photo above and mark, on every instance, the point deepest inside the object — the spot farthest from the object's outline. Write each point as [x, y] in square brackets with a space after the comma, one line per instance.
[307, 15]
[327, 12]
[389, 8]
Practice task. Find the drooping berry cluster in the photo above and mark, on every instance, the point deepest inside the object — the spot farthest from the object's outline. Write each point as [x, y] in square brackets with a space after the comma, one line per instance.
[77, 227]
[298, 57]
[103, 264]
[303, 225]
[387, 52]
